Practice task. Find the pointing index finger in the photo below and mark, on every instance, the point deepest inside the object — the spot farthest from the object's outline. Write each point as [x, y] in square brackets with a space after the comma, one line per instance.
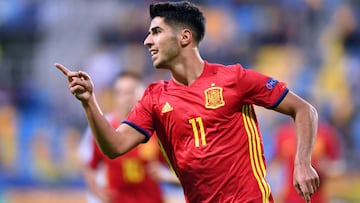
[62, 69]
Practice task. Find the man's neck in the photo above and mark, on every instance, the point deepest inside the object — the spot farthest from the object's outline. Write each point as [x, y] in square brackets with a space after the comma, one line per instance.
[187, 68]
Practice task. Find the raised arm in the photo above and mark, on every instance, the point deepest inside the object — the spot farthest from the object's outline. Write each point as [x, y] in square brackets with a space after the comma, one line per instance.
[306, 180]
[112, 142]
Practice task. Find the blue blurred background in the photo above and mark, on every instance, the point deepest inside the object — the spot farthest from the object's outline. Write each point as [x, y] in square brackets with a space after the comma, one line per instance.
[312, 45]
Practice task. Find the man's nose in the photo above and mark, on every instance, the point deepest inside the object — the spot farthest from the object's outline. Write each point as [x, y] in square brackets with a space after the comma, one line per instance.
[148, 41]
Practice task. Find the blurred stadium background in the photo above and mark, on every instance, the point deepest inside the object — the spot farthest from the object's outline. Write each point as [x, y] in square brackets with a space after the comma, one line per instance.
[313, 45]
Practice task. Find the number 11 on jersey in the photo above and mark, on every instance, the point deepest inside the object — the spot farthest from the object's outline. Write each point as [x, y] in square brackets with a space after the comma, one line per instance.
[197, 125]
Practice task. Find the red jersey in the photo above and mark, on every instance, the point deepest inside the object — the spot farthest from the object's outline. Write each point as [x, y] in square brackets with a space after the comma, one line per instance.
[326, 148]
[209, 131]
[126, 175]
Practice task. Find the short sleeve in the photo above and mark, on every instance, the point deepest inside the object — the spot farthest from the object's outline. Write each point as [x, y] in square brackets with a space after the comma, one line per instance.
[260, 89]
[141, 116]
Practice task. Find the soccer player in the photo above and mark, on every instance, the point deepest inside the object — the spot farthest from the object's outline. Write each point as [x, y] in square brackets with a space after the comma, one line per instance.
[126, 176]
[204, 115]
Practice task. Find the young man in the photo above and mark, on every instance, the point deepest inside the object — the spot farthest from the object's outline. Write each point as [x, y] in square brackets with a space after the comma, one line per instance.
[127, 175]
[204, 116]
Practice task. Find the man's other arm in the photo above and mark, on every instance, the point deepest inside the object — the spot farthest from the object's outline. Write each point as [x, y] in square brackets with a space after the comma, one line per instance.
[306, 180]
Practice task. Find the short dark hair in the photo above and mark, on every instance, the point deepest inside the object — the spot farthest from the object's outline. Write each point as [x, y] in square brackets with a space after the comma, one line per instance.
[128, 73]
[183, 13]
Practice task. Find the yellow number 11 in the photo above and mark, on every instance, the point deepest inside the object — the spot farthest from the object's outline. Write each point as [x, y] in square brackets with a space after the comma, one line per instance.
[193, 123]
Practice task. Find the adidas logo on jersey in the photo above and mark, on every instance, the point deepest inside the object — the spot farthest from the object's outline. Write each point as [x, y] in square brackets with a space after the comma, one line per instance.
[167, 108]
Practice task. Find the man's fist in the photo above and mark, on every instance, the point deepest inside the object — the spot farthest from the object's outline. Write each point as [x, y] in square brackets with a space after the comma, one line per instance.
[80, 83]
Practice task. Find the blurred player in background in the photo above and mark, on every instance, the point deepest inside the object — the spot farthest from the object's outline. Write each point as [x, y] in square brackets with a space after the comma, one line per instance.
[204, 116]
[126, 178]
[326, 159]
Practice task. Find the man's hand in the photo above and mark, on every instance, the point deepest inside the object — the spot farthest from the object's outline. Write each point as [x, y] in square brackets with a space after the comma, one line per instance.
[80, 83]
[306, 181]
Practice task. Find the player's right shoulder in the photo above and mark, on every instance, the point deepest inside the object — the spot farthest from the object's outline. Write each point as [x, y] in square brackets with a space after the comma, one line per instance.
[157, 87]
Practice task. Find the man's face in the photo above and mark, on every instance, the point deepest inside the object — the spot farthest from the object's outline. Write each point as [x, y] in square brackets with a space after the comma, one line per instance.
[127, 92]
[162, 42]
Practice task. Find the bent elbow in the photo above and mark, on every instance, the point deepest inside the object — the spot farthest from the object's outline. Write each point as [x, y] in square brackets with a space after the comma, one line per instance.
[112, 154]
[306, 111]
[313, 112]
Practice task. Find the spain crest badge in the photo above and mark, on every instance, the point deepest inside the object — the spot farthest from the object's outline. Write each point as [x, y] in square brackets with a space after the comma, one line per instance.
[214, 97]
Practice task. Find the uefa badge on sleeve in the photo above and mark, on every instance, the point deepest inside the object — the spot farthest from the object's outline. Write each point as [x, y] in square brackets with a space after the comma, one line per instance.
[271, 83]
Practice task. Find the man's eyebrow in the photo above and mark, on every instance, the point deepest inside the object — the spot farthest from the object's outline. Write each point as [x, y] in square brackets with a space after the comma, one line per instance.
[153, 29]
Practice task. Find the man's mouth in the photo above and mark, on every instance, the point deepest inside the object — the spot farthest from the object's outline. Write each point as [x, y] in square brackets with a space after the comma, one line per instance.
[154, 53]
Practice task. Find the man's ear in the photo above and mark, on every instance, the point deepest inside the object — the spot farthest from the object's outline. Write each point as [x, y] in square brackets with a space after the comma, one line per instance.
[186, 37]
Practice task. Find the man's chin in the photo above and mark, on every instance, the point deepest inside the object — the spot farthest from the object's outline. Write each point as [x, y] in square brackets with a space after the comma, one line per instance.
[159, 65]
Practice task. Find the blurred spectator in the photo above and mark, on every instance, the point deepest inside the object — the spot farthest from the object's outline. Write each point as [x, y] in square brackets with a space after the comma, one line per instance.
[327, 159]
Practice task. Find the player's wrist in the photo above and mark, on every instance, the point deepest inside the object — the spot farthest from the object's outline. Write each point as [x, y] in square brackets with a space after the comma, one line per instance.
[302, 162]
[86, 103]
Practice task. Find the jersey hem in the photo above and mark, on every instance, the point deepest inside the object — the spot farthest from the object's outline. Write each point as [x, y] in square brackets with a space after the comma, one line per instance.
[138, 128]
[278, 101]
